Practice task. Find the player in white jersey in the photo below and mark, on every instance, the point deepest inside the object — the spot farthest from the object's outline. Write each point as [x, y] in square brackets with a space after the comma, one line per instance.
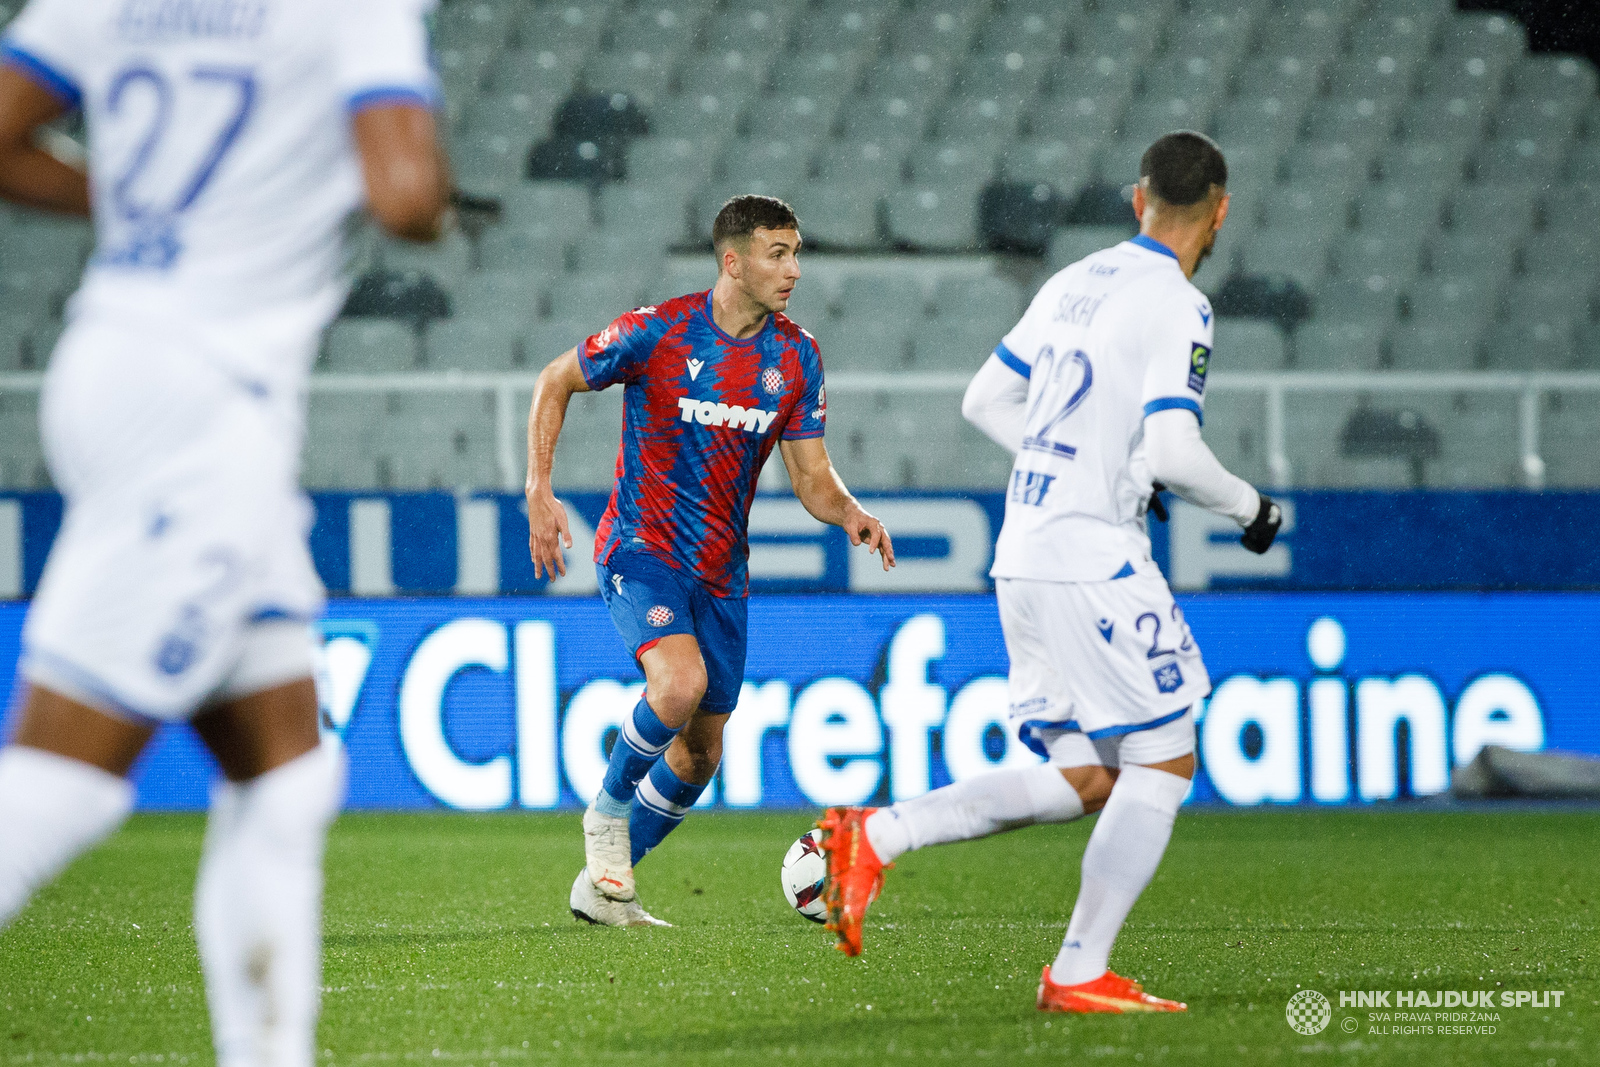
[228, 142]
[1099, 392]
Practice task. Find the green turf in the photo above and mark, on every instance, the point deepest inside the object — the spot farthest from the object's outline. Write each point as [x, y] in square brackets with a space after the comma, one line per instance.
[448, 938]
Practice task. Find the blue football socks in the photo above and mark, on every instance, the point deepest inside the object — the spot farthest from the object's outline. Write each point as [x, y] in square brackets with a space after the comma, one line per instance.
[663, 800]
[643, 739]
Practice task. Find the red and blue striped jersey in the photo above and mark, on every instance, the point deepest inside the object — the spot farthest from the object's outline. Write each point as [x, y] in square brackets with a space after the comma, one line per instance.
[701, 412]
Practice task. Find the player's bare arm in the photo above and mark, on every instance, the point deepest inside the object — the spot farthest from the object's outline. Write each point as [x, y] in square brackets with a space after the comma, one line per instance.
[824, 495]
[404, 168]
[29, 175]
[548, 532]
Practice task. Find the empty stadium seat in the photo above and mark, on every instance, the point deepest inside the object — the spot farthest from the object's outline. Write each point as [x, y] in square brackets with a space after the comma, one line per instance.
[1467, 254]
[952, 163]
[917, 75]
[489, 344]
[871, 344]
[1447, 117]
[369, 346]
[1371, 298]
[1464, 299]
[868, 164]
[1064, 166]
[884, 118]
[1340, 344]
[793, 117]
[22, 463]
[836, 215]
[1236, 431]
[1268, 121]
[731, 72]
[1501, 208]
[439, 440]
[1008, 74]
[512, 295]
[992, 119]
[586, 452]
[1359, 122]
[817, 72]
[341, 432]
[1393, 254]
[1569, 438]
[1435, 347]
[1288, 253]
[1425, 165]
[882, 295]
[1029, 33]
[748, 30]
[1531, 344]
[697, 114]
[765, 159]
[1376, 74]
[1072, 243]
[957, 345]
[1248, 345]
[596, 298]
[1077, 117]
[973, 297]
[654, 214]
[1523, 161]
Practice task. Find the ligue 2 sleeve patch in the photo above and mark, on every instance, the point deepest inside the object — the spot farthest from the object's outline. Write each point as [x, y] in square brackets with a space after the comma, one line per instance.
[1199, 363]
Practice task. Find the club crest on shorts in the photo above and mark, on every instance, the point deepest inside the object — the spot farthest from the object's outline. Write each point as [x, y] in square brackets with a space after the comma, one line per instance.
[660, 615]
[772, 381]
[1169, 679]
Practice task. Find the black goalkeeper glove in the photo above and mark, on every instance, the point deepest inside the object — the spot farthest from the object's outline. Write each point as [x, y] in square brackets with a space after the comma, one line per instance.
[1259, 535]
[1157, 508]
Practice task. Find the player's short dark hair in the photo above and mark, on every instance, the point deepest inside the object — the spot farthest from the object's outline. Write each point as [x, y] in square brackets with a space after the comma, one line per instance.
[1183, 166]
[744, 215]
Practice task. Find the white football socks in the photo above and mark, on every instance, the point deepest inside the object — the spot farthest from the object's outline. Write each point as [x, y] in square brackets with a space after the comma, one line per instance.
[52, 809]
[258, 909]
[1121, 858]
[977, 807]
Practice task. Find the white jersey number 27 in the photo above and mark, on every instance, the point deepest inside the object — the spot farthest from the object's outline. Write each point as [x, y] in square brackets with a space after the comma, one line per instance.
[152, 239]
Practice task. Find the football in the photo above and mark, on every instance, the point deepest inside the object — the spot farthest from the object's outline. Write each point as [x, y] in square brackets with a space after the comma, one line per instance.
[804, 867]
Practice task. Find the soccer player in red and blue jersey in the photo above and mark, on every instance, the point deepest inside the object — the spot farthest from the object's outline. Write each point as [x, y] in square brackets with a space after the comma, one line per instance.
[712, 381]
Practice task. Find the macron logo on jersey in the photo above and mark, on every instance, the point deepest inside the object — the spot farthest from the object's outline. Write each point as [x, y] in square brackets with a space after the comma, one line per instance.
[694, 368]
[710, 413]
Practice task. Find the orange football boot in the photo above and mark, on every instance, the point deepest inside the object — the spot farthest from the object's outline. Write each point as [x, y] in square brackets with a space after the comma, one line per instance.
[1109, 993]
[855, 874]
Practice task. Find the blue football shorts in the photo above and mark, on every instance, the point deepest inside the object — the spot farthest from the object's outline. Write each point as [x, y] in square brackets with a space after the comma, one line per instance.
[650, 599]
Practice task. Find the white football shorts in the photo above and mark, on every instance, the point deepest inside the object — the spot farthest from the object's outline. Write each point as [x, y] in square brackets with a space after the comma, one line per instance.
[1101, 671]
[181, 575]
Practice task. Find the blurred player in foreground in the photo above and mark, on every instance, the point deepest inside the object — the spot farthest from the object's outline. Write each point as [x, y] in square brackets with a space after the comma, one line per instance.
[712, 381]
[228, 143]
[1098, 392]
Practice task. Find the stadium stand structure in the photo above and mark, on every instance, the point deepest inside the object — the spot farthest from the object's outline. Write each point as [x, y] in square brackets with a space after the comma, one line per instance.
[1414, 196]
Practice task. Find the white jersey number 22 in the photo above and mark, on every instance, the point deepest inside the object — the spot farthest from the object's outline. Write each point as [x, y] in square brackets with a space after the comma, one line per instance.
[1063, 382]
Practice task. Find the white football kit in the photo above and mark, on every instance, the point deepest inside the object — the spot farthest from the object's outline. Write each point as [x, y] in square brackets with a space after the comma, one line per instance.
[223, 170]
[1101, 658]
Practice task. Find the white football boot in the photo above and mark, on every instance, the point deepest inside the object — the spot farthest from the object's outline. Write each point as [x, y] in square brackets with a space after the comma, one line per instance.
[608, 854]
[592, 907]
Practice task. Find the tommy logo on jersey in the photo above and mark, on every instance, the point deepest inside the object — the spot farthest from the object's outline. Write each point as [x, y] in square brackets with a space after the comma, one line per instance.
[1199, 363]
[711, 413]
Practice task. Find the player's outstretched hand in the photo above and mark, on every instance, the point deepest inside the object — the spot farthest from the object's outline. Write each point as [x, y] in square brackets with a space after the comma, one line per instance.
[865, 529]
[1258, 536]
[548, 534]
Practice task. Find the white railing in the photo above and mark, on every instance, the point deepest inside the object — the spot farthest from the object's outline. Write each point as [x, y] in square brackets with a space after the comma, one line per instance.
[1274, 386]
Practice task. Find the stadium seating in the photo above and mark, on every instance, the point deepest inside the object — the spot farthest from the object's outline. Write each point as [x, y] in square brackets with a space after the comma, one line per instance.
[1427, 180]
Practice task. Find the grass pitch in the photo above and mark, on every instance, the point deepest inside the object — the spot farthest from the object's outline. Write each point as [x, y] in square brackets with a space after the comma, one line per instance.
[448, 939]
